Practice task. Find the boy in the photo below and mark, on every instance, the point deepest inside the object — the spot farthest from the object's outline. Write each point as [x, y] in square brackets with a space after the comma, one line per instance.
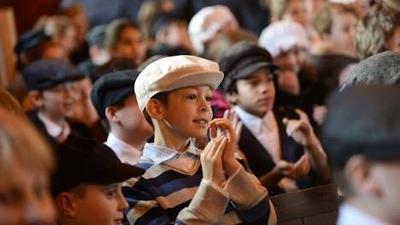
[115, 102]
[362, 138]
[26, 163]
[50, 85]
[181, 184]
[87, 185]
[275, 157]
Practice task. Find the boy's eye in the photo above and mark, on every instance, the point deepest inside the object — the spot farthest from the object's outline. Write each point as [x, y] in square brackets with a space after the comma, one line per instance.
[111, 192]
[9, 198]
[191, 97]
[208, 98]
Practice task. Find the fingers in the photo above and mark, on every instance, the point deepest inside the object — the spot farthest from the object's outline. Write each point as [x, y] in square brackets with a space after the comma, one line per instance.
[291, 125]
[224, 126]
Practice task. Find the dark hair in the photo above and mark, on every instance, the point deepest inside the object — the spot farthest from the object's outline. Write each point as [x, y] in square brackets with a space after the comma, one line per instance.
[104, 121]
[162, 97]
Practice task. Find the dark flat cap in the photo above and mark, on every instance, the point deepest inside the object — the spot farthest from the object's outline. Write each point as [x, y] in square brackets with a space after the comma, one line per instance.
[46, 73]
[30, 40]
[241, 60]
[363, 120]
[382, 68]
[96, 35]
[86, 161]
[112, 88]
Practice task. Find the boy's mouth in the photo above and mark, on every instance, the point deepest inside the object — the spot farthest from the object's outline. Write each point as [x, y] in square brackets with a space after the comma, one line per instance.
[201, 121]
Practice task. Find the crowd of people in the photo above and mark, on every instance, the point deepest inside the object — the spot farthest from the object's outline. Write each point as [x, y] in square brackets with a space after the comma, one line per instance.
[195, 112]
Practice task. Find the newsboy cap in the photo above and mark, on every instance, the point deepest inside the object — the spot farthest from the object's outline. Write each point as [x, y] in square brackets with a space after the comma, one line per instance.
[382, 68]
[30, 40]
[363, 120]
[175, 72]
[112, 88]
[86, 161]
[241, 60]
[46, 73]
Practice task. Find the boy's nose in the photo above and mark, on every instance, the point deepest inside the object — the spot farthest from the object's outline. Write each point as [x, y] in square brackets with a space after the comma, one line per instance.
[122, 203]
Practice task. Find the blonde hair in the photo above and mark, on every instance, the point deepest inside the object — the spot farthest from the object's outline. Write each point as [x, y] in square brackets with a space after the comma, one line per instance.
[323, 20]
[20, 141]
[374, 30]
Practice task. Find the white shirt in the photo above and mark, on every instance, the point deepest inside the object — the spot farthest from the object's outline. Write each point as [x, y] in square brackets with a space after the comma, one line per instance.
[53, 129]
[125, 152]
[186, 162]
[265, 130]
[351, 215]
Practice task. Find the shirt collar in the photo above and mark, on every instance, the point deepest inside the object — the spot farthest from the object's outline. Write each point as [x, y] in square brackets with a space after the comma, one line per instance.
[255, 123]
[125, 152]
[52, 128]
[159, 154]
[350, 215]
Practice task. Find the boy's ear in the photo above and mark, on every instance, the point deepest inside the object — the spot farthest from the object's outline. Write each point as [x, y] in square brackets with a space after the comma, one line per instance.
[155, 109]
[358, 173]
[36, 98]
[66, 204]
[111, 114]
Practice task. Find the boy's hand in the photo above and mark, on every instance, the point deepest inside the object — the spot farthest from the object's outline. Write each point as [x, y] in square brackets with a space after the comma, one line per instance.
[222, 126]
[300, 130]
[301, 168]
[211, 160]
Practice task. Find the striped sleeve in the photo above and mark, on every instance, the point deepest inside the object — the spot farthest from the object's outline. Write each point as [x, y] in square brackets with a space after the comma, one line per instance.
[253, 207]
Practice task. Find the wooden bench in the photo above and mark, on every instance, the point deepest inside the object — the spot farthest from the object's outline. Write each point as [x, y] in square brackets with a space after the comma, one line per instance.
[313, 206]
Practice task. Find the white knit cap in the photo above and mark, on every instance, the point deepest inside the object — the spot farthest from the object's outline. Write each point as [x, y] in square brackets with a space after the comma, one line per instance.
[207, 22]
[175, 72]
[282, 36]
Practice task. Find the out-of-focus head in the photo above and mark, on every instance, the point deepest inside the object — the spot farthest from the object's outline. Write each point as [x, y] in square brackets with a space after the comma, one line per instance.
[25, 166]
[382, 68]
[207, 23]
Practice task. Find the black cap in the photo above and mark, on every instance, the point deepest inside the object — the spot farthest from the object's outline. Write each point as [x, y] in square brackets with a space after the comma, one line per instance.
[46, 73]
[30, 40]
[241, 60]
[363, 120]
[112, 88]
[86, 161]
[96, 35]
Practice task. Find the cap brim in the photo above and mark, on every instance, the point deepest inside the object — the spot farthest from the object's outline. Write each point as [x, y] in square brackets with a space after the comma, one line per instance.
[120, 173]
[249, 70]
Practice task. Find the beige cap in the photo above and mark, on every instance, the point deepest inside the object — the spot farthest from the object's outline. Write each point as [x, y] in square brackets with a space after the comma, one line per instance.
[175, 72]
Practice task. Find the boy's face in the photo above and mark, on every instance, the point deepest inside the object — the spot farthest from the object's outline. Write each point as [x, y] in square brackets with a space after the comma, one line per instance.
[24, 196]
[296, 11]
[343, 30]
[132, 119]
[100, 205]
[387, 176]
[289, 60]
[188, 112]
[58, 101]
[256, 94]
[130, 45]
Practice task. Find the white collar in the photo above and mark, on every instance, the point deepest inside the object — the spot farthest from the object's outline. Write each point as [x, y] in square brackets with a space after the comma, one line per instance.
[53, 129]
[159, 154]
[351, 215]
[125, 152]
[255, 123]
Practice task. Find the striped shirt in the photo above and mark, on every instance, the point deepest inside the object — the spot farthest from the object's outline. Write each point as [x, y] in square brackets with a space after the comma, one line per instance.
[172, 191]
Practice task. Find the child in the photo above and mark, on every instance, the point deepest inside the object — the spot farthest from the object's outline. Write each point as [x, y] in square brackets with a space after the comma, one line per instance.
[181, 184]
[50, 84]
[274, 156]
[362, 138]
[115, 102]
[25, 166]
[87, 185]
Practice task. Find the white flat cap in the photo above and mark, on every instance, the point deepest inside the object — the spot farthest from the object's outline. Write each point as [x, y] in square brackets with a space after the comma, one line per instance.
[207, 22]
[175, 72]
[282, 36]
